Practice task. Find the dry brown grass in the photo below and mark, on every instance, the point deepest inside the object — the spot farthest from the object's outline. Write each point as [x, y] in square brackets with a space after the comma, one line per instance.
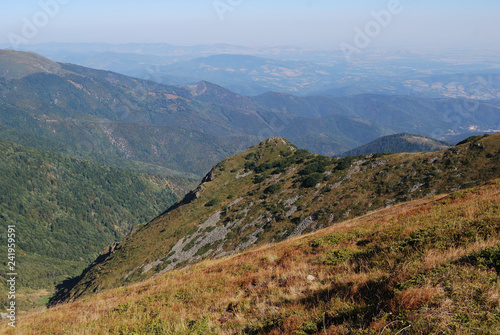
[267, 290]
[413, 298]
[434, 257]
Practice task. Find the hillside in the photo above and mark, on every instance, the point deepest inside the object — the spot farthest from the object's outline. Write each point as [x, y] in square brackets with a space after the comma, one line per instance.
[15, 65]
[399, 143]
[81, 151]
[273, 192]
[429, 266]
[101, 113]
[67, 210]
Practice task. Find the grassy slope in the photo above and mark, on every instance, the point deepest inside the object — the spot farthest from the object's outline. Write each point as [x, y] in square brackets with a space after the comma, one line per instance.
[280, 194]
[67, 210]
[427, 266]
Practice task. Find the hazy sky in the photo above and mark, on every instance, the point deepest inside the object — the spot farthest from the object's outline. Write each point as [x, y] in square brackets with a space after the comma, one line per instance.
[308, 23]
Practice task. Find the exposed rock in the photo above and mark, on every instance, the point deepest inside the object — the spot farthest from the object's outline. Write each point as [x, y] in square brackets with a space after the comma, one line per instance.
[274, 140]
[290, 212]
[252, 238]
[431, 193]
[379, 163]
[243, 174]
[337, 184]
[416, 187]
[235, 202]
[390, 202]
[355, 169]
[150, 266]
[209, 177]
[291, 201]
[292, 170]
[303, 225]
[110, 249]
[274, 178]
[132, 271]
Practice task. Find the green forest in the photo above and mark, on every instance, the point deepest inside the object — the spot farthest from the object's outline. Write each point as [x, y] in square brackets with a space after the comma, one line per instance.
[67, 210]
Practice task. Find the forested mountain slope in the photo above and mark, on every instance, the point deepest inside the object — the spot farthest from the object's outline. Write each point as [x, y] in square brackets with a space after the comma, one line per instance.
[67, 210]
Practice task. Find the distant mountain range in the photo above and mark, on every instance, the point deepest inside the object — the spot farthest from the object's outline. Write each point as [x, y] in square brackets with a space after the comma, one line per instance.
[189, 128]
[433, 117]
[399, 143]
[294, 70]
[101, 113]
[251, 75]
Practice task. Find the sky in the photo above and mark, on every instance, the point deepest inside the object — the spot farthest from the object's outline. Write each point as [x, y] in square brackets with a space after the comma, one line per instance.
[324, 24]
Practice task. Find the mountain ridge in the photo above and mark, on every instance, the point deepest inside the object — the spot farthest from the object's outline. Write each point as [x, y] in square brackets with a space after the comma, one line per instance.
[15, 65]
[275, 191]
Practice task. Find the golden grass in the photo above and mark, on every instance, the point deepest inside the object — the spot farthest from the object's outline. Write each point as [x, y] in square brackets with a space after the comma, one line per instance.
[291, 288]
[414, 297]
